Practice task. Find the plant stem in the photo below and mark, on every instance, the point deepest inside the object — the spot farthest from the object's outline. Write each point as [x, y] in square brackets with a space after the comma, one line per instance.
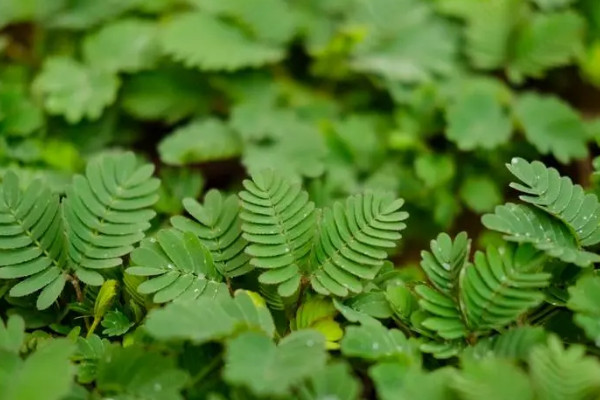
[92, 328]
[301, 293]
[79, 295]
[229, 286]
[75, 282]
[204, 372]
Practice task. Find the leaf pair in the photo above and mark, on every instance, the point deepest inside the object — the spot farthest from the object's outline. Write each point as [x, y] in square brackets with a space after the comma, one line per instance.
[499, 286]
[103, 215]
[336, 250]
[559, 218]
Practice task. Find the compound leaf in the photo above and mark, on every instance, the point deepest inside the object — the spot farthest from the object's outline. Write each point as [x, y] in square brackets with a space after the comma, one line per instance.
[211, 44]
[296, 357]
[74, 90]
[352, 241]
[552, 126]
[217, 224]
[206, 319]
[107, 212]
[180, 267]
[127, 45]
[279, 225]
[32, 242]
[199, 141]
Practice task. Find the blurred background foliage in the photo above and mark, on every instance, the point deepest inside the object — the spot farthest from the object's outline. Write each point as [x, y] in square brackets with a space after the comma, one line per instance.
[425, 98]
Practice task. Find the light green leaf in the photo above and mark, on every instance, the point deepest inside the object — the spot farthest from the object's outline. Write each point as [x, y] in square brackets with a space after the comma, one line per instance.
[477, 117]
[208, 319]
[269, 20]
[480, 193]
[434, 169]
[82, 15]
[561, 373]
[552, 126]
[105, 298]
[46, 374]
[373, 303]
[199, 141]
[170, 94]
[15, 11]
[416, 47]
[127, 45]
[200, 40]
[490, 26]
[74, 90]
[493, 379]
[12, 333]
[374, 342]
[297, 148]
[115, 323]
[318, 314]
[136, 373]
[19, 116]
[89, 353]
[546, 41]
[334, 382]
[279, 367]
[584, 300]
[395, 381]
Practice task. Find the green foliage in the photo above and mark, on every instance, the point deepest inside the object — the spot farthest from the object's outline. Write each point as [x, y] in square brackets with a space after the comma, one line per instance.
[292, 140]
[544, 120]
[107, 212]
[218, 226]
[561, 229]
[221, 318]
[222, 46]
[32, 240]
[46, 373]
[142, 374]
[199, 141]
[75, 90]
[582, 300]
[295, 357]
[335, 381]
[179, 265]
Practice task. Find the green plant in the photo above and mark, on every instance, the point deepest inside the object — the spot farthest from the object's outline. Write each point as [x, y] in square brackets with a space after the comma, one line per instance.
[283, 199]
[270, 297]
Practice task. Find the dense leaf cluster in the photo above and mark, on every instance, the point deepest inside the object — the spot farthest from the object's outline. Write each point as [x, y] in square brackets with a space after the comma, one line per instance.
[284, 199]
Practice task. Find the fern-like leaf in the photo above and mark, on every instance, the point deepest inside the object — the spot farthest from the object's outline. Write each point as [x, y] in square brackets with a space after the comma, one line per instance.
[560, 197]
[498, 288]
[526, 224]
[218, 226]
[279, 224]
[32, 242]
[515, 343]
[558, 373]
[181, 268]
[107, 212]
[445, 261]
[443, 313]
[352, 242]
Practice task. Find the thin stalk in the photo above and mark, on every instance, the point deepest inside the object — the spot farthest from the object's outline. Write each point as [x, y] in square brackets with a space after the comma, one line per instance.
[204, 372]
